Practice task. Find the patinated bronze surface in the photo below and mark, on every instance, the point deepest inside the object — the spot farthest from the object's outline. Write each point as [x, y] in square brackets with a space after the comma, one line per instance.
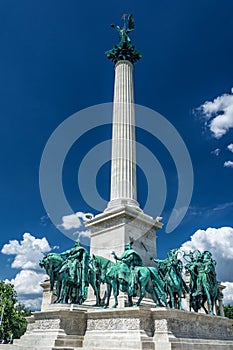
[124, 50]
[74, 270]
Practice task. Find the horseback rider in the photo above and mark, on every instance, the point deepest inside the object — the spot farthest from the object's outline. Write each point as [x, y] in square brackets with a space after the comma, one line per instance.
[170, 270]
[128, 260]
[206, 276]
[75, 265]
[171, 261]
[129, 256]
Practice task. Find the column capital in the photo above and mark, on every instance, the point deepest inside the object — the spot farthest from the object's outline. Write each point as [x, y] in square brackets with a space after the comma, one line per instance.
[124, 62]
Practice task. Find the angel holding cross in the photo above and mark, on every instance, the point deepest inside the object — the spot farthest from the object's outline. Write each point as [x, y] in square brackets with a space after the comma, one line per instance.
[128, 27]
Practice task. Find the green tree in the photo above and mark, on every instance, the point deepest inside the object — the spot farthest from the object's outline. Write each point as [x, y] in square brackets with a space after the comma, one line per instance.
[12, 313]
[228, 310]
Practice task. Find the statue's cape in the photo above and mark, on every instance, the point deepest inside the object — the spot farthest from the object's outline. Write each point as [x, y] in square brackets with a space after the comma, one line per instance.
[137, 258]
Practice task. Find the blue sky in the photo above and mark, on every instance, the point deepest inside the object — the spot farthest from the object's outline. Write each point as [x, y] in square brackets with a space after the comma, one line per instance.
[52, 64]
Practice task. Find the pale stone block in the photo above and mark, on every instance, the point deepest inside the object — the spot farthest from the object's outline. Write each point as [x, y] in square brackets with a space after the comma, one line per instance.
[71, 327]
[112, 230]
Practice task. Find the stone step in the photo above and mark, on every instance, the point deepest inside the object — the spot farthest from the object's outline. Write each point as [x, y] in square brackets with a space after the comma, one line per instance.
[23, 347]
[194, 344]
[68, 343]
[35, 342]
[64, 348]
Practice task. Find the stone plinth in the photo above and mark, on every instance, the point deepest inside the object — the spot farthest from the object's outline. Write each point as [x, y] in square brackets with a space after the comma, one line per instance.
[157, 329]
[61, 327]
[114, 228]
[48, 296]
[71, 328]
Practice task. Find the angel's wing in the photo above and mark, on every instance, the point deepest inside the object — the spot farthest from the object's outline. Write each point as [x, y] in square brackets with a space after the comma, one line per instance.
[131, 24]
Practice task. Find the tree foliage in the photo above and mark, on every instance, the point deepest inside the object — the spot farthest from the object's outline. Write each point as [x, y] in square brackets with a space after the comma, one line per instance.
[228, 310]
[12, 313]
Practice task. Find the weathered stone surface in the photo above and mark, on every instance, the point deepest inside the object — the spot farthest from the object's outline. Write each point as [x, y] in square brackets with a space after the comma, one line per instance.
[113, 229]
[71, 327]
[189, 324]
[57, 327]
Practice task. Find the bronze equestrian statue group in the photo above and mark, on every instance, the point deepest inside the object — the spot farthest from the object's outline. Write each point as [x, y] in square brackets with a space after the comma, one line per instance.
[72, 271]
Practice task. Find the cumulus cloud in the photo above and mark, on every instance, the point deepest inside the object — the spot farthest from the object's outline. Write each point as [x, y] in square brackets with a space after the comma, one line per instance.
[218, 114]
[27, 286]
[228, 293]
[216, 152]
[219, 241]
[75, 220]
[27, 282]
[230, 147]
[33, 304]
[27, 252]
[228, 164]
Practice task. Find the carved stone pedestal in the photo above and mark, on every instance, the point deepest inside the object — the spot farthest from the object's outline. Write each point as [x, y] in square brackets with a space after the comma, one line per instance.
[115, 227]
[73, 327]
[60, 327]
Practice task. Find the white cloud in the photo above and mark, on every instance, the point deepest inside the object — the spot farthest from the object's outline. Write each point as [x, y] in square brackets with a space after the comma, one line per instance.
[216, 152]
[223, 206]
[230, 147]
[75, 220]
[27, 285]
[71, 221]
[228, 164]
[228, 293]
[218, 114]
[27, 282]
[33, 304]
[27, 252]
[219, 241]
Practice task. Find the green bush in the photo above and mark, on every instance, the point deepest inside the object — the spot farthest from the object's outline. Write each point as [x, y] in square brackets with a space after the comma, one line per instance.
[12, 313]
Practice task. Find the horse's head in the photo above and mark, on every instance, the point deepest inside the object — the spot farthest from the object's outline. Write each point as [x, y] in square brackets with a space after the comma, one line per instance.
[50, 262]
[44, 262]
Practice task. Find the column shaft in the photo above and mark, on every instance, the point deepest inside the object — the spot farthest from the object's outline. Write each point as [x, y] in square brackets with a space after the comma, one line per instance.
[123, 168]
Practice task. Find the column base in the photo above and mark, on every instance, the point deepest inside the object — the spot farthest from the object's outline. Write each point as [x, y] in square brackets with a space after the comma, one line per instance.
[117, 203]
[117, 226]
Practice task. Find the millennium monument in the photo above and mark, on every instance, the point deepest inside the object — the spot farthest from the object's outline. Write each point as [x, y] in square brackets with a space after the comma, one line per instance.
[123, 220]
[119, 295]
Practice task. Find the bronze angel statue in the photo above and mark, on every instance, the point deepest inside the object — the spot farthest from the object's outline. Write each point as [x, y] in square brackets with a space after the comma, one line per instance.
[128, 27]
[124, 50]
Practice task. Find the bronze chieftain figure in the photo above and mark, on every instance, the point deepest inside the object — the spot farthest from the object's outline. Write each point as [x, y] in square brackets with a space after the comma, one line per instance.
[70, 274]
[170, 270]
[203, 282]
[73, 270]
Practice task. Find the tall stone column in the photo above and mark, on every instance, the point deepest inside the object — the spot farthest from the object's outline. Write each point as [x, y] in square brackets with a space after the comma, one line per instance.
[123, 168]
[123, 220]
